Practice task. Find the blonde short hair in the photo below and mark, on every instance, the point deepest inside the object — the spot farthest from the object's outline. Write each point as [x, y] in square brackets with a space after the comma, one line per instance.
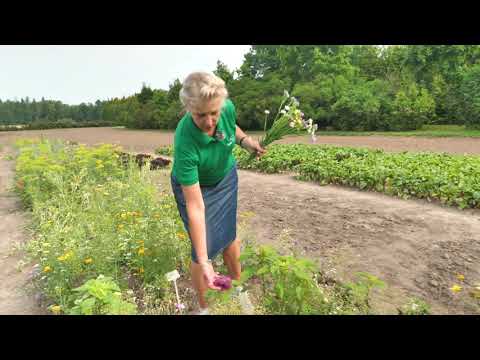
[199, 87]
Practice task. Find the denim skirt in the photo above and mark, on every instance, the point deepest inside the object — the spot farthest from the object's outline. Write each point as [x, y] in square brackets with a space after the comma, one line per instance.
[220, 212]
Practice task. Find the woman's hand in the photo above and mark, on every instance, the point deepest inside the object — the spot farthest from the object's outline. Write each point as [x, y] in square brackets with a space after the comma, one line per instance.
[254, 147]
[209, 274]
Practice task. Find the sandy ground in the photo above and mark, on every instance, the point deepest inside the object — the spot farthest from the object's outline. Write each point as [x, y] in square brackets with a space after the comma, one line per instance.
[416, 247]
[149, 140]
[15, 297]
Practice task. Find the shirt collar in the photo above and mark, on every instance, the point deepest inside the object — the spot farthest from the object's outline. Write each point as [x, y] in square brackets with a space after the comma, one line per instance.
[201, 136]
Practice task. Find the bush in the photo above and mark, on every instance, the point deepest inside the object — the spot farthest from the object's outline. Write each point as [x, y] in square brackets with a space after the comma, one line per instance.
[412, 108]
[357, 109]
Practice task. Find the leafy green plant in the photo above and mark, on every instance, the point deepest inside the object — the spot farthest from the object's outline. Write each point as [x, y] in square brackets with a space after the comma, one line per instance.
[360, 292]
[101, 296]
[288, 283]
[415, 307]
[164, 150]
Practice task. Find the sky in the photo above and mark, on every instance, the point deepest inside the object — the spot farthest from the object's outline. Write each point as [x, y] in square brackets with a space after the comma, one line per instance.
[85, 73]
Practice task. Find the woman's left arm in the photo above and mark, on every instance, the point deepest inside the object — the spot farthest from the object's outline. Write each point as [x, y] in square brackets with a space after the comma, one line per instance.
[248, 143]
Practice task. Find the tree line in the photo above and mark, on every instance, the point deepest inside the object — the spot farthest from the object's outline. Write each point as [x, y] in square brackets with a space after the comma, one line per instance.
[341, 87]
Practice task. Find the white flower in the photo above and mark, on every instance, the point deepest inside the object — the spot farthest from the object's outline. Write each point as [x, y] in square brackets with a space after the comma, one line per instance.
[267, 112]
[285, 93]
[283, 112]
[287, 108]
[310, 122]
[292, 124]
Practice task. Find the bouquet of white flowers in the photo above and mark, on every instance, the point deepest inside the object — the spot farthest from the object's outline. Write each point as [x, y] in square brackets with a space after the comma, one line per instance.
[289, 120]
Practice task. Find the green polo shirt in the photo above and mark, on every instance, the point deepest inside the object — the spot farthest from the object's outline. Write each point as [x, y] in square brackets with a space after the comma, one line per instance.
[201, 158]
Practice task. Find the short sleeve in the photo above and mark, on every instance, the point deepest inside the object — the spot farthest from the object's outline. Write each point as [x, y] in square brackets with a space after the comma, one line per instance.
[186, 165]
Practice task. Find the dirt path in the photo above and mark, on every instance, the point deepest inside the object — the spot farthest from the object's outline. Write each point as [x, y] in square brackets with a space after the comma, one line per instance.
[14, 300]
[149, 140]
[417, 248]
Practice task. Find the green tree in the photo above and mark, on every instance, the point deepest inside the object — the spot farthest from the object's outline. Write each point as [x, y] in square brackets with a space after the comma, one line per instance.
[224, 73]
[470, 91]
[145, 95]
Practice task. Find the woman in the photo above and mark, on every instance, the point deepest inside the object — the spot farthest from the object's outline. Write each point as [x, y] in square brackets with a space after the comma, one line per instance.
[204, 177]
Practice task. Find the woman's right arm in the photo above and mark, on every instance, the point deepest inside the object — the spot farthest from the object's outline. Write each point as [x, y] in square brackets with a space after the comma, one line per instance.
[198, 231]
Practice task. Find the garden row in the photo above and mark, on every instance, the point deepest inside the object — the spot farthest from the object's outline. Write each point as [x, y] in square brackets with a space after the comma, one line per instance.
[105, 236]
[450, 179]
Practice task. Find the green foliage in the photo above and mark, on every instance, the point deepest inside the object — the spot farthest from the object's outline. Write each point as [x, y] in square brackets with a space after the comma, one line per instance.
[101, 296]
[449, 179]
[253, 97]
[415, 307]
[470, 90]
[164, 150]
[359, 292]
[139, 234]
[357, 108]
[412, 108]
[292, 285]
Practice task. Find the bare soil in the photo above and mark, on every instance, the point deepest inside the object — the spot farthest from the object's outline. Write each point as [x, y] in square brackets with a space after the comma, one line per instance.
[416, 247]
[16, 297]
[149, 140]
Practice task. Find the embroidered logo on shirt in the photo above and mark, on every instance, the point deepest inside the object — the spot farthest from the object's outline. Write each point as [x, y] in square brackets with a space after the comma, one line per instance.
[219, 135]
[231, 140]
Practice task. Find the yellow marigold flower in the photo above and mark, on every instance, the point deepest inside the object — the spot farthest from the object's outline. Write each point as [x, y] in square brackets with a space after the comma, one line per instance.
[120, 226]
[56, 309]
[181, 235]
[456, 288]
[88, 261]
[66, 256]
[47, 269]
[460, 277]
[141, 251]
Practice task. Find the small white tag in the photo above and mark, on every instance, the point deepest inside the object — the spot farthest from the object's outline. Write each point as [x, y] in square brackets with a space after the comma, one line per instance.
[172, 275]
